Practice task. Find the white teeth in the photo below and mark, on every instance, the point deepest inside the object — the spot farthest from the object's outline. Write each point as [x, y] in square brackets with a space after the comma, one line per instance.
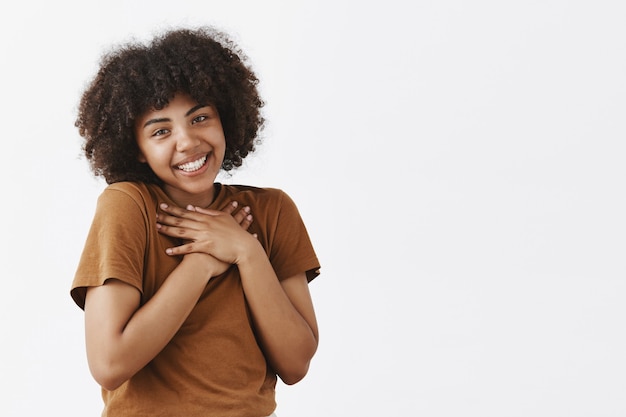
[193, 166]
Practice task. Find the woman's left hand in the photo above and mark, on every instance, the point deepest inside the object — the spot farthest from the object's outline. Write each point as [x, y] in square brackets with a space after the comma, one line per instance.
[221, 234]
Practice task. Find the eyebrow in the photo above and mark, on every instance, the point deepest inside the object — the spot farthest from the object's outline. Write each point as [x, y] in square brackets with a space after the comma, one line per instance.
[165, 119]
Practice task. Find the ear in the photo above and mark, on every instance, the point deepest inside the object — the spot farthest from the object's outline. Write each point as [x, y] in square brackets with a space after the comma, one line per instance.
[141, 158]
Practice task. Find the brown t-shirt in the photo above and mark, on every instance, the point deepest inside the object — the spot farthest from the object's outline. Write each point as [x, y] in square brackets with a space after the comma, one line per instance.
[213, 366]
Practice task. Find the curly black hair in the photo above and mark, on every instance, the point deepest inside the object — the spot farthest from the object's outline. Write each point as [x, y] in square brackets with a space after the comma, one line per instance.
[134, 78]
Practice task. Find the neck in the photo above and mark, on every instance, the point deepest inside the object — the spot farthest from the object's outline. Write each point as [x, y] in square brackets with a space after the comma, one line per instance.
[202, 199]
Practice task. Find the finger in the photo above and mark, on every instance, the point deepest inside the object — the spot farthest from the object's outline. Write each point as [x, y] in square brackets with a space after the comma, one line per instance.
[242, 214]
[174, 210]
[208, 211]
[174, 221]
[231, 207]
[180, 250]
[246, 221]
[176, 216]
[176, 231]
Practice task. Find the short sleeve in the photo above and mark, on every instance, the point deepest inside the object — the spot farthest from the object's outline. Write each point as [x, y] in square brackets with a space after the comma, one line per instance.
[291, 250]
[115, 244]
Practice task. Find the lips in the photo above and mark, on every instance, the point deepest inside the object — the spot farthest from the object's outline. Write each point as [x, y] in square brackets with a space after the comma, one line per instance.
[193, 165]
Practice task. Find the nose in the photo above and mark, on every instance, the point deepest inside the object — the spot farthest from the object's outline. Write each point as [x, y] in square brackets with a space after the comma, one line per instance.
[186, 141]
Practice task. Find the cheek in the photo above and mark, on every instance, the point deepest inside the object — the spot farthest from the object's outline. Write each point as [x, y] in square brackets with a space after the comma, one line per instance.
[154, 155]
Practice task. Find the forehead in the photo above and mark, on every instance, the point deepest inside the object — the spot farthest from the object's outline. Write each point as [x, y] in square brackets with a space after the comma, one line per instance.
[179, 104]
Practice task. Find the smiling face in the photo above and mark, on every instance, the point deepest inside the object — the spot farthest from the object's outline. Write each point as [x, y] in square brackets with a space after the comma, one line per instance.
[184, 145]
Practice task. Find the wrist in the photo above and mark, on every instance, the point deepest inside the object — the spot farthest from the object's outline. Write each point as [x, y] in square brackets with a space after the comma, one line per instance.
[253, 253]
[202, 264]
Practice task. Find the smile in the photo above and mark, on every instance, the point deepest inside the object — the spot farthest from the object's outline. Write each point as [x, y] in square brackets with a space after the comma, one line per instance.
[193, 166]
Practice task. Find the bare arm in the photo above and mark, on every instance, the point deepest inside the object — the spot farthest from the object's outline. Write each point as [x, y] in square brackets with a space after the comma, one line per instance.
[283, 312]
[122, 337]
[284, 317]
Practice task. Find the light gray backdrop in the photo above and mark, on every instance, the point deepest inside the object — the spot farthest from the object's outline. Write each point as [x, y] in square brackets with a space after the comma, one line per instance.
[460, 166]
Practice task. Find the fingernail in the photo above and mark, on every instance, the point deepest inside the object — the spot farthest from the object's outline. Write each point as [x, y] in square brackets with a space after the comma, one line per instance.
[249, 217]
[246, 209]
[234, 204]
[163, 205]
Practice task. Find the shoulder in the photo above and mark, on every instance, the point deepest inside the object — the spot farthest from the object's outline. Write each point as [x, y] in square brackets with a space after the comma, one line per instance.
[140, 193]
[128, 200]
[131, 189]
[240, 188]
[255, 194]
[271, 204]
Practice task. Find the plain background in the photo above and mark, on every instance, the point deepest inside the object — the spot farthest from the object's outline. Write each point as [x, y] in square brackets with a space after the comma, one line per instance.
[459, 165]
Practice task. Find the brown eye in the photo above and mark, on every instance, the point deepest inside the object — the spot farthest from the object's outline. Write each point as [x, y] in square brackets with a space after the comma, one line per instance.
[160, 132]
[199, 119]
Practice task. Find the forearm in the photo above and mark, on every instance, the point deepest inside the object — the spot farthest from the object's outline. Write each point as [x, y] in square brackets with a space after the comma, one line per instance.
[288, 337]
[120, 350]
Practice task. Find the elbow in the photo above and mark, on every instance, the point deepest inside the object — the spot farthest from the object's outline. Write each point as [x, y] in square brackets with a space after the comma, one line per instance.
[110, 368]
[296, 369]
[109, 384]
[293, 372]
[107, 377]
[293, 376]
